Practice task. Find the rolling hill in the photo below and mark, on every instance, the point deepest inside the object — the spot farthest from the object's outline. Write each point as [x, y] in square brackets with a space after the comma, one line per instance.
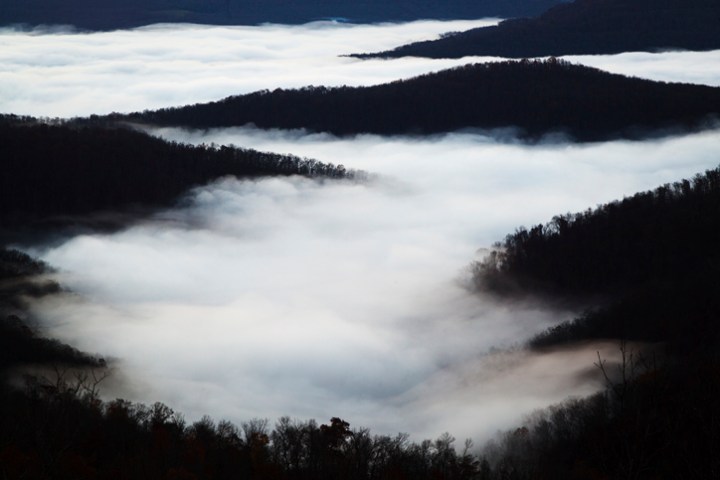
[537, 97]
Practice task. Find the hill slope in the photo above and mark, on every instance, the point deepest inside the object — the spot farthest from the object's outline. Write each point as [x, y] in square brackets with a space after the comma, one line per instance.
[653, 254]
[584, 27]
[116, 14]
[654, 258]
[537, 97]
[58, 170]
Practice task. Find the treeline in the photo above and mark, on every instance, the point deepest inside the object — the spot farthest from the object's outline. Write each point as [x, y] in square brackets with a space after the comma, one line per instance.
[61, 170]
[660, 235]
[655, 420]
[651, 262]
[652, 257]
[21, 277]
[117, 14]
[537, 97]
[583, 27]
[54, 425]
[59, 429]
[659, 421]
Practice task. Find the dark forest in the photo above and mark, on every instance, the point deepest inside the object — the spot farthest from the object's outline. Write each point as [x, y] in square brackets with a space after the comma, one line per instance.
[53, 172]
[653, 420]
[652, 260]
[536, 97]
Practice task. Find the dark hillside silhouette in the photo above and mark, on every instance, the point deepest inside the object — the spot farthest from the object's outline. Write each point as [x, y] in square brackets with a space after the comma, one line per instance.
[653, 259]
[116, 14]
[652, 256]
[61, 170]
[537, 97]
[665, 234]
[655, 419]
[20, 280]
[584, 27]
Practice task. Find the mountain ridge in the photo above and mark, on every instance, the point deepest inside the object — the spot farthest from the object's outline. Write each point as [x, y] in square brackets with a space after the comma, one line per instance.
[536, 97]
[584, 27]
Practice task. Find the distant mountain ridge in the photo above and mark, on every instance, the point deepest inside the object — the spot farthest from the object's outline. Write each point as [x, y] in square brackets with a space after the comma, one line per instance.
[537, 97]
[584, 27]
[117, 14]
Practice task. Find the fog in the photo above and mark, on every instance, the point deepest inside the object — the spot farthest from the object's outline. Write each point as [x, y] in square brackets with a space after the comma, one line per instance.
[63, 74]
[67, 74]
[312, 299]
[290, 296]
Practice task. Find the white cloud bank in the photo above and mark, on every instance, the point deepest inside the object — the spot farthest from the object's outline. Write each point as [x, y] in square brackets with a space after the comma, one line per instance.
[70, 74]
[290, 297]
[286, 296]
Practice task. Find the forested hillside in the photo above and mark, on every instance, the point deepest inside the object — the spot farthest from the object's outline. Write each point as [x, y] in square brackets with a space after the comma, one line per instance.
[653, 260]
[537, 97]
[55, 426]
[655, 418]
[652, 256]
[584, 27]
[115, 14]
[58, 170]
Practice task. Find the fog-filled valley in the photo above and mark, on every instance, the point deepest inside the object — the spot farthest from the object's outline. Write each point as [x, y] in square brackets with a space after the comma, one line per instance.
[321, 296]
[288, 296]
[57, 73]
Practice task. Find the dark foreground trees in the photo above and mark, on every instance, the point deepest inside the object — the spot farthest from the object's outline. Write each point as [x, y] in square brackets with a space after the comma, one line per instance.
[650, 262]
[660, 423]
[60, 431]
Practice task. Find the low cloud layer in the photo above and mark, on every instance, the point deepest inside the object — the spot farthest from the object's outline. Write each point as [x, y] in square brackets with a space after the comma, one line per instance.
[69, 74]
[287, 296]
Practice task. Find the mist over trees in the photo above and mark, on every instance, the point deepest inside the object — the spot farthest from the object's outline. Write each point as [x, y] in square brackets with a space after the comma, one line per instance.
[647, 266]
[650, 261]
[652, 257]
[115, 14]
[55, 426]
[583, 27]
[21, 280]
[655, 419]
[537, 97]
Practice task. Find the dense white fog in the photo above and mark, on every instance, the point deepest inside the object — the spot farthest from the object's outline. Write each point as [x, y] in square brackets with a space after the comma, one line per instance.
[290, 296]
[68, 74]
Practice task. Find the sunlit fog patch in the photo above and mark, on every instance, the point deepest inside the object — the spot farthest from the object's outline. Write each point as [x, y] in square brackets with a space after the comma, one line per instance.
[292, 296]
